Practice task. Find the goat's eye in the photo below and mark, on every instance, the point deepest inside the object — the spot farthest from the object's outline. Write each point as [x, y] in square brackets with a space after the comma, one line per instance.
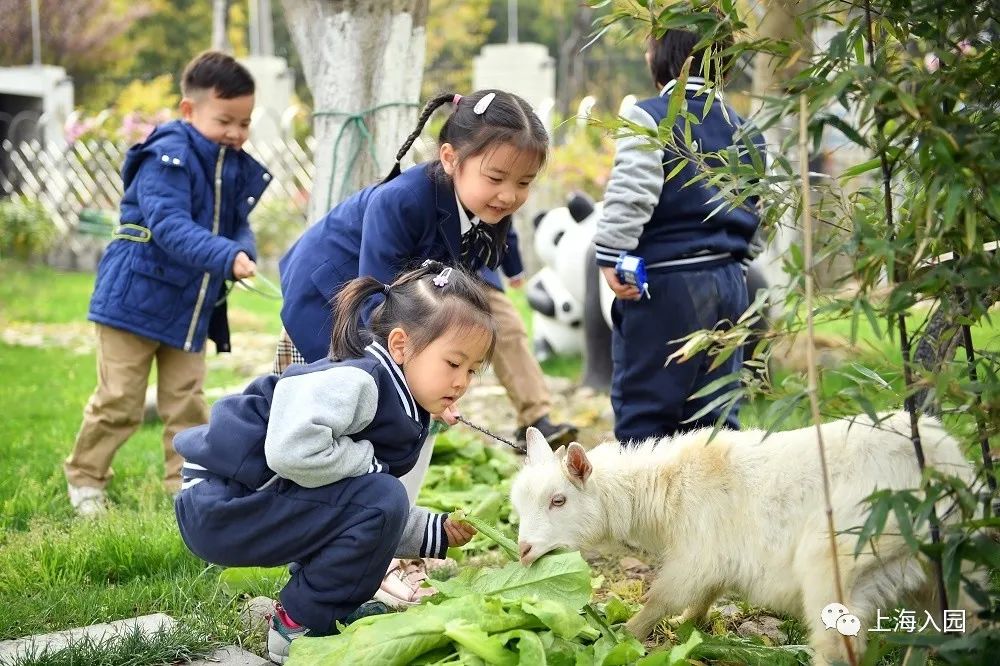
[557, 500]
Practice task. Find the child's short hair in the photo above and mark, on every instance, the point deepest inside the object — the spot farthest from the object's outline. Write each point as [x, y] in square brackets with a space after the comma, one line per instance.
[214, 70]
[424, 302]
[669, 52]
[472, 128]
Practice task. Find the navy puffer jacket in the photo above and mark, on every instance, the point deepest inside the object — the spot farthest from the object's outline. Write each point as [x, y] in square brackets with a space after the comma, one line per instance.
[183, 221]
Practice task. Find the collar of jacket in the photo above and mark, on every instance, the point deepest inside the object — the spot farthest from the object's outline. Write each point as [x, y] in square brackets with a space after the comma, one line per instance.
[695, 86]
[464, 223]
[449, 222]
[410, 406]
[208, 152]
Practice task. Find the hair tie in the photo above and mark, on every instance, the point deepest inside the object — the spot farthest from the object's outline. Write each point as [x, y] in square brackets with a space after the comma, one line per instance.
[385, 289]
[483, 104]
[456, 99]
[441, 279]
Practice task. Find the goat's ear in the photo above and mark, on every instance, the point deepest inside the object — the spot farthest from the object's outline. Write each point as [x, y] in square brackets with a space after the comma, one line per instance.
[538, 448]
[577, 465]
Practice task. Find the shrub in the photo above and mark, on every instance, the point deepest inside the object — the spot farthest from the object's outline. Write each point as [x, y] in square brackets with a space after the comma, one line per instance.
[276, 223]
[26, 228]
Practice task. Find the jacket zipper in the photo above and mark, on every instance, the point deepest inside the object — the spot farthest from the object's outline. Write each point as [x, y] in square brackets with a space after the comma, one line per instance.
[215, 232]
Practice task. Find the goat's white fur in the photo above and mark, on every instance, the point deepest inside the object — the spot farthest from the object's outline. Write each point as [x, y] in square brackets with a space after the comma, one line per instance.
[741, 513]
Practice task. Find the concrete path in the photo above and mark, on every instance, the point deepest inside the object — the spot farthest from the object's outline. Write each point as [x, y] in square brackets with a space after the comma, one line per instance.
[99, 633]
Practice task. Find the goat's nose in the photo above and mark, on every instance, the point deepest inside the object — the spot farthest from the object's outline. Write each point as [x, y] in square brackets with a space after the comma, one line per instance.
[525, 548]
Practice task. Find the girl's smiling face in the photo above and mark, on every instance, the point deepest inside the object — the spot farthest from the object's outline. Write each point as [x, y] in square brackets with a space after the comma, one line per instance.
[493, 184]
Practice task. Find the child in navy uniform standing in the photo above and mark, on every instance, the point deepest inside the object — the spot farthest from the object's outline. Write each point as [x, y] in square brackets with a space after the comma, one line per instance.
[160, 285]
[303, 467]
[693, 254]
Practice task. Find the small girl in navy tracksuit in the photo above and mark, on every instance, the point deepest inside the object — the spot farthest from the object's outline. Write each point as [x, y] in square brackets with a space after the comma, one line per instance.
[303, 467]
[694, 250]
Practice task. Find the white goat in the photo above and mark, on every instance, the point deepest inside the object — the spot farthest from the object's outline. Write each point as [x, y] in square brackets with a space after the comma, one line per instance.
[742, 514]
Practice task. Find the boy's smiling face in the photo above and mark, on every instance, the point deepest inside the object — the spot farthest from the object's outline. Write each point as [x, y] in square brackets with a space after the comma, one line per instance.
[224, 121]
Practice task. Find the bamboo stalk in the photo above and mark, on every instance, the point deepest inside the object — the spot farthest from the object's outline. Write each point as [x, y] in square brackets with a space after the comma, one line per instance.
[807, 232]
[904, 341]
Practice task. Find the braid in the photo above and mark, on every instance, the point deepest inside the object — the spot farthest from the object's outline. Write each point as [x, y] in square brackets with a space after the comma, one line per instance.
[428, 111]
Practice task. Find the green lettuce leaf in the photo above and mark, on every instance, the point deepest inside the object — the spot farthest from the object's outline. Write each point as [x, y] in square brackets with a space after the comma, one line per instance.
[399, 638]
[562, 577]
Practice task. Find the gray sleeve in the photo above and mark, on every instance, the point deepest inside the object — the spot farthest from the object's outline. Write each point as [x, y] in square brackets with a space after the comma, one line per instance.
[633, 191]
[312, 416]
[423, 535]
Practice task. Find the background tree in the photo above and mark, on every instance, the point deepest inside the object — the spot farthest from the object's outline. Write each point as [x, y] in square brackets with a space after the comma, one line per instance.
[220, 25]
[363, 61]
[456, 31]
[89, 49]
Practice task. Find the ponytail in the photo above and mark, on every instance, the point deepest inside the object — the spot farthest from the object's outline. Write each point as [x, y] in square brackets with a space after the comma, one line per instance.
[426, 302]
[428, 111]
[349, 339]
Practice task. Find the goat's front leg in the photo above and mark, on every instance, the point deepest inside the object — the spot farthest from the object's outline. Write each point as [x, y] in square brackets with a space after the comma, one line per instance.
[675, 589]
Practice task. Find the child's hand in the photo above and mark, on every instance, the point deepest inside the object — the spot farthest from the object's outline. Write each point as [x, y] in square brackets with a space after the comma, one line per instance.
[627, 292]
[243, 266]
[458, 533]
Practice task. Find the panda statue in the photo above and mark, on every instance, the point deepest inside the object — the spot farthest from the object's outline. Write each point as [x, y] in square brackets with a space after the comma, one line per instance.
[570, 302]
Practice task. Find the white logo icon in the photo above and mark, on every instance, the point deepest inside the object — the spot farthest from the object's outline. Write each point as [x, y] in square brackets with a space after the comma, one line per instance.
[849, 625]
[831, 613]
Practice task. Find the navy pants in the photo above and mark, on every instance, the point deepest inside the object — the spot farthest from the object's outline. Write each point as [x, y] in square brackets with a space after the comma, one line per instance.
[343, 535]
[649, 398]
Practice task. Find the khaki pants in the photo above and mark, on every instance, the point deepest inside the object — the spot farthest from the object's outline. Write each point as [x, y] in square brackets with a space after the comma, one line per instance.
[514, 364]
[115, 409]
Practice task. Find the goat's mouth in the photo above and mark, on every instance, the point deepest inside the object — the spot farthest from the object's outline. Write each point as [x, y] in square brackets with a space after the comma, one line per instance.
[531, 552]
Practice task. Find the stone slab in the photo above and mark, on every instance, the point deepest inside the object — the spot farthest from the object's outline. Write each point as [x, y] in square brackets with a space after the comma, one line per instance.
[231, 656]
[147, 624]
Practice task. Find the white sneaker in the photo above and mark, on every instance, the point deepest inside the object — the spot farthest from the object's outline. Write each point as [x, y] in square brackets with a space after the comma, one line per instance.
[88, 501]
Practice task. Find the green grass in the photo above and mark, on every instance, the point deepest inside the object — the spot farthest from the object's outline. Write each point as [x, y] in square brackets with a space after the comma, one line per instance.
[57, 572]
[39, 294]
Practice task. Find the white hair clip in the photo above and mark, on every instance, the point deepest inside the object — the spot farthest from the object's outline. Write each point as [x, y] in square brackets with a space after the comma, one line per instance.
[441, 279]
[483, 104]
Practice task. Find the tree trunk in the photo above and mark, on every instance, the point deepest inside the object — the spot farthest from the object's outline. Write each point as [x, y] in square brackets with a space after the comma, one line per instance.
[363, 61]
[937, 347]
[572, 63]
[220, 24]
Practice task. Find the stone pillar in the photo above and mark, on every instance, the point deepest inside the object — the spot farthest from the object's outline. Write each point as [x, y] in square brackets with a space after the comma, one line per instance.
[275, 87]
[527, 70]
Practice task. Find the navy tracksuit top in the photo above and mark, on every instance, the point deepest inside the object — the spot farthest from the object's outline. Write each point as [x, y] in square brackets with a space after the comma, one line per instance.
[231, 445]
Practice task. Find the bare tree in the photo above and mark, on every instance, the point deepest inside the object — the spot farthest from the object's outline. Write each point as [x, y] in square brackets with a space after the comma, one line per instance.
[220, 24]
[363, 61]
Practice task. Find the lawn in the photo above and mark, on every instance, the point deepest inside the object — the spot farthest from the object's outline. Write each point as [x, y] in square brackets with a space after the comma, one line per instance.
[57, 572]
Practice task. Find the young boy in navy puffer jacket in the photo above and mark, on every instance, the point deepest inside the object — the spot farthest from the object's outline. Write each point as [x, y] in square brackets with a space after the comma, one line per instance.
[160, 289]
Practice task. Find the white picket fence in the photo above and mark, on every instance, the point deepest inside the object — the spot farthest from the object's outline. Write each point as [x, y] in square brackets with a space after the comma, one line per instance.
[86, 175]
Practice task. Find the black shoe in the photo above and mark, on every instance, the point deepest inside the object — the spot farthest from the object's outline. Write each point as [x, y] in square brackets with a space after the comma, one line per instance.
[556, 434]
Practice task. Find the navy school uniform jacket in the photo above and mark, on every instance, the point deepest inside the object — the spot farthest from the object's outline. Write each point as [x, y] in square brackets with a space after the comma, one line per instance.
[378, 232]
[315, 425]
[668, 224]
[183, 221]
[332, 420]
